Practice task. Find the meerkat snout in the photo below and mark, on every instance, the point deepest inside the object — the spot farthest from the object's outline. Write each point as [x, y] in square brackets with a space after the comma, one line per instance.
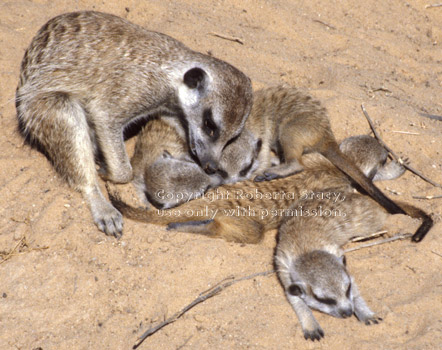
[321, 280]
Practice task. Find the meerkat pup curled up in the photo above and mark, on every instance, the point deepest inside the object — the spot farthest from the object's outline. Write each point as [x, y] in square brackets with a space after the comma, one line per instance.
[290, 123]
[310, 261]
[165, 175]
[243, 212]
[87, 75]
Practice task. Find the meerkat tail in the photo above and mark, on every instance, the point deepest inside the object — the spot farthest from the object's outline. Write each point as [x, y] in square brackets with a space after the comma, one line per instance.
[340, 160]
[427, 221]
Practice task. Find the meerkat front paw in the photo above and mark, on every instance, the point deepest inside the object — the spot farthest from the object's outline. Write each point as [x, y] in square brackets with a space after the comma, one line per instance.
[367, 317]
[279, 171]
[314, 334]
[108, 219]
[370, 320]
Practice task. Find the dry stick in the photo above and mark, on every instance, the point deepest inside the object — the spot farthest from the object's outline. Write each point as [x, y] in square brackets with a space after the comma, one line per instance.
[12, 252]
[184, 344]
[323, 23]
[434, 5]
[427, 197]
[386, 240]
[405, 132]
[436, 253]
[230, 38]
[431, 116]
[371, 236]
[202, 297]
[398, 159]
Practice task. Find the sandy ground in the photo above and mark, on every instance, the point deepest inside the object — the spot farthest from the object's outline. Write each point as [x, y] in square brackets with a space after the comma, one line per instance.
[68, 286]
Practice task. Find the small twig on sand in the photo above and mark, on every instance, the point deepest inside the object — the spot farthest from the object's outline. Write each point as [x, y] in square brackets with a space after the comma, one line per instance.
[366, 238]
[427, 197]
[219, 287]
[436, 253]
[433, 5]
[22, 243]
[393, 191]
[405, 132]
[386, 240]
[230, 38]
[398, 159]
[432, 116]
[12, 251]
[185, 343]
[325, 24]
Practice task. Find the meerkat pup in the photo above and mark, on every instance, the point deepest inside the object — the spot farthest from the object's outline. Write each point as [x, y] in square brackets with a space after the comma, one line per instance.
[87, 75]
[290, 123]
[310, 261]
[243, 212]
[165, 175]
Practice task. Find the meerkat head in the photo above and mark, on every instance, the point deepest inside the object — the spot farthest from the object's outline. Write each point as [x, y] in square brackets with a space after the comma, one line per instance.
[170, 181]
[216, 103]
[239, 159]
[321, 280]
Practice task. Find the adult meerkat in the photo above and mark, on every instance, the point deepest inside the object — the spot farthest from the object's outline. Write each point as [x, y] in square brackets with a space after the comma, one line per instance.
[290, 123]
[311, 264]
[86, 75]
[243, 212]
[165, 175]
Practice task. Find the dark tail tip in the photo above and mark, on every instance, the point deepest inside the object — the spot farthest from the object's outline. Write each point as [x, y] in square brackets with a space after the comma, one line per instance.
[423, 229]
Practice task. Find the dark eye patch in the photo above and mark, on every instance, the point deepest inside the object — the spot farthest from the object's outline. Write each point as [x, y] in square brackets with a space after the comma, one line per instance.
[245, 171]
[209, 125]
[347, 293]
[295, 290]
[223, 173]
[327, 301]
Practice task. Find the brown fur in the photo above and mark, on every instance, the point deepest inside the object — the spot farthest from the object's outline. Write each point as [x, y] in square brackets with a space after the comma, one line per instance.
[164, 172]
[310, 262]
[291, 123]
[86, 75]
[242, 226]
[243, 212]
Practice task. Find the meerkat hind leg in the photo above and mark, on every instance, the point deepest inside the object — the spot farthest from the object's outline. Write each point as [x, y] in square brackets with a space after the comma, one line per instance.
[61, 129]
[292, 153]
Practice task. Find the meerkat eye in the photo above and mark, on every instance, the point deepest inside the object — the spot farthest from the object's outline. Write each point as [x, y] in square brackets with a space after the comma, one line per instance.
[327, 301]
[347, 293]
[223, 173]
[295, 290]
[209, 125]
[245, 171]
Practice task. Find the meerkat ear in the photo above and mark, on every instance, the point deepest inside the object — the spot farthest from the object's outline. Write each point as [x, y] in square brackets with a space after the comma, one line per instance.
[195, 78]
[166, 155]
[295, 290]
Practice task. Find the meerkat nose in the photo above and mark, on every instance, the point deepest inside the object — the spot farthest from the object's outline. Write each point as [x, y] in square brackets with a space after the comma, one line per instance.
[210, 168]
[345, 312]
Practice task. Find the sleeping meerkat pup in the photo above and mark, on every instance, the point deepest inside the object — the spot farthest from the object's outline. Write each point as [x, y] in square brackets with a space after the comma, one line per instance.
[87, 75]
[311, 264]
[243, 212]
[165, 175]
[288, 122]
